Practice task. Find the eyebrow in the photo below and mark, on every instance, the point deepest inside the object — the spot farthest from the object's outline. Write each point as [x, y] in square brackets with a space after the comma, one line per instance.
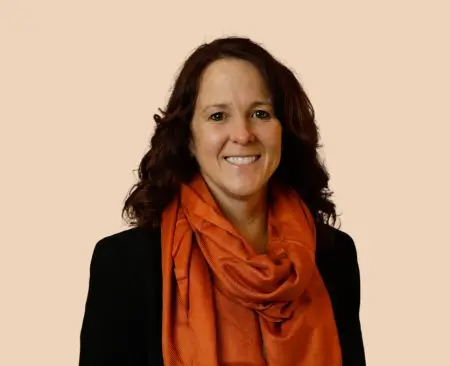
[254, 104]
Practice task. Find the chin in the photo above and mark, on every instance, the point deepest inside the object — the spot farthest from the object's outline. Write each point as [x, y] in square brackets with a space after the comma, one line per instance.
[243, 191]
[237, 187]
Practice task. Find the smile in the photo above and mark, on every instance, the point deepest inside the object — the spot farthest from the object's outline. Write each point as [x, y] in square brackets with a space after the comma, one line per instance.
[242, 160]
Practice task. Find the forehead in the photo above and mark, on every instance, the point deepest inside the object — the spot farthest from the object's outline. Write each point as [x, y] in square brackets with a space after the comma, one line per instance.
[231, 79]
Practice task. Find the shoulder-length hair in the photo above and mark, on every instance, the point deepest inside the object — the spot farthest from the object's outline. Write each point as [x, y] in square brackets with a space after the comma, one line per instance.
[168, 162]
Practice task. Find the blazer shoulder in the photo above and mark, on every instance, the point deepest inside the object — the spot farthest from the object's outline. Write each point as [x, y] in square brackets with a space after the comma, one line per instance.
[126, 249]
[340, 271]
[338, 264]
[336, 242]
[128, 240]
[346, 247]
[122, 300]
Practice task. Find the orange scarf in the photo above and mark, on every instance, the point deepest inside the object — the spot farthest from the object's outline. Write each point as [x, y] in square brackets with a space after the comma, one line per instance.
[224, 304]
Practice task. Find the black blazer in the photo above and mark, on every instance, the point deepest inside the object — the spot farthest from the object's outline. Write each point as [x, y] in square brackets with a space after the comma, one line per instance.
[122, 319]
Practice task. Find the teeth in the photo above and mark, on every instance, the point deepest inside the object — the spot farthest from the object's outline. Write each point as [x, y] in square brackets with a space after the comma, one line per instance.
[241, 160]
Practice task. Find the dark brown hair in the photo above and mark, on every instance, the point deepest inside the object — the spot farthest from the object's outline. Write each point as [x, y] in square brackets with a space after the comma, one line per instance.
[169, 162]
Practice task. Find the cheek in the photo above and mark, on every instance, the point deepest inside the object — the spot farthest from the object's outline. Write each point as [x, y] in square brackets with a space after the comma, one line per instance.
[208, 143]
[273, 139]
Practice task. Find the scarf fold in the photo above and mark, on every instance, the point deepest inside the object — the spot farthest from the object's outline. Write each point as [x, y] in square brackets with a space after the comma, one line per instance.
[225, 304]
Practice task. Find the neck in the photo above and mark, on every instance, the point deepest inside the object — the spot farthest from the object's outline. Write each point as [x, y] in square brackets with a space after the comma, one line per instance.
[248, 216]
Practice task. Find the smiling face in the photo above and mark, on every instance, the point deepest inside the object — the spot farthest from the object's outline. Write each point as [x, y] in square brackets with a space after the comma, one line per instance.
[236, 137]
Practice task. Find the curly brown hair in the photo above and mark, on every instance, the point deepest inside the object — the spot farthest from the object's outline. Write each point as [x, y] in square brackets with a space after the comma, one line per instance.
[168, 163]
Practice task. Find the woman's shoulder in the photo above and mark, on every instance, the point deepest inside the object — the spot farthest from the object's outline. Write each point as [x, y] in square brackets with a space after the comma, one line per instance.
[335, 243]
[130, 250]
[129, 240]
[337, 261]
[336, 249]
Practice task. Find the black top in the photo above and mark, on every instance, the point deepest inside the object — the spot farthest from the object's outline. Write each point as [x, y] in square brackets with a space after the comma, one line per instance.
[122, 319]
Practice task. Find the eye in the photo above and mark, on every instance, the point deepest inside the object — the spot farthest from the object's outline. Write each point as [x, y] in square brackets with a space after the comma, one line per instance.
[261, 114]
[217, 117]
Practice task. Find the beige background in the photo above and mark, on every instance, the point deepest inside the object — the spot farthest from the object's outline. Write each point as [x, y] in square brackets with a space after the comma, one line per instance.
[80, 81]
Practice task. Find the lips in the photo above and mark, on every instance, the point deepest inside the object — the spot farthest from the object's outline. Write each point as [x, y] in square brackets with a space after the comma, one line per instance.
[242, 160]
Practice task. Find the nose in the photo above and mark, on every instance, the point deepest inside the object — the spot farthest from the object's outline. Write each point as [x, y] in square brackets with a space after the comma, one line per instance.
[241, 131]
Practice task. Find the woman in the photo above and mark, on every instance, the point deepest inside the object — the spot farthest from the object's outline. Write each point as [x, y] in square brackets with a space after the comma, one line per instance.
[233, 258]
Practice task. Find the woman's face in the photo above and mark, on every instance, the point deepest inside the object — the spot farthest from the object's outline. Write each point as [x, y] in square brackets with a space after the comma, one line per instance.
[236, 137]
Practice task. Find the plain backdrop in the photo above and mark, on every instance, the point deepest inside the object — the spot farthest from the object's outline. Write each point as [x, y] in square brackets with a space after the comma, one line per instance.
[80, 81]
